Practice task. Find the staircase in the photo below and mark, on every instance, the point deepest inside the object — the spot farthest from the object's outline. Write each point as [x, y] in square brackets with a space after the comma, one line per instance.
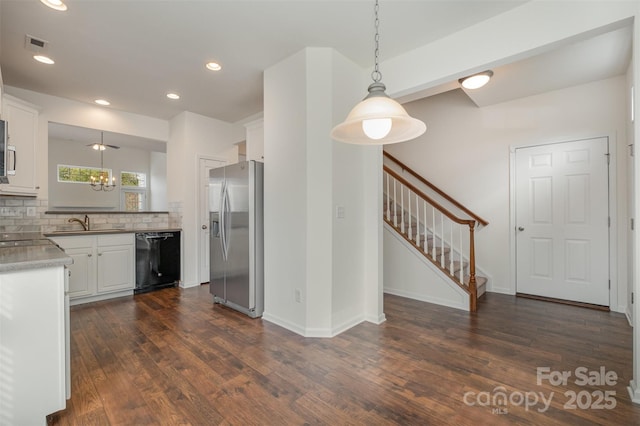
[435, 225]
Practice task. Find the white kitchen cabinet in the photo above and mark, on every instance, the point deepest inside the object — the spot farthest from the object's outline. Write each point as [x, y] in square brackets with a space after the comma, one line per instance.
[32, 345]
[82, 250]
[255, 140]
[103, 266]
[22, 125]
[115, 263]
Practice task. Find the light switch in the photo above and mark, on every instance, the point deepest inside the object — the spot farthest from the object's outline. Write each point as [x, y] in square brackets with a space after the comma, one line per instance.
[340, 212]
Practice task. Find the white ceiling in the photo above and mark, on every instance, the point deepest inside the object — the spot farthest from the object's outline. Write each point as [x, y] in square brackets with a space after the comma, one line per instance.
[133, 52]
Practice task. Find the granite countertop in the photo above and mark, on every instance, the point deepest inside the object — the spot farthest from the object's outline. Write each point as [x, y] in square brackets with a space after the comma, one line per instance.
[106, 231]
[32, 257]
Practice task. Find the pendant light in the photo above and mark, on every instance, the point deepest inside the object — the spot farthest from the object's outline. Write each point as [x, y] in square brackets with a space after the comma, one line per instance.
[378, 119]
[101, 182]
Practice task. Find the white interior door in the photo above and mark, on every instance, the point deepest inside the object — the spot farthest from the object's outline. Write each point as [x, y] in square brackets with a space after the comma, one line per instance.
[205, 164]
[562, 221]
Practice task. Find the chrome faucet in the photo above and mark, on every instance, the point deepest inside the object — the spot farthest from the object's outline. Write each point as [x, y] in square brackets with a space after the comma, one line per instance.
[85, 224]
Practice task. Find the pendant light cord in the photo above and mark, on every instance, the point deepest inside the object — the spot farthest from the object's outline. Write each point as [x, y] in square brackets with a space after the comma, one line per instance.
[376, 75]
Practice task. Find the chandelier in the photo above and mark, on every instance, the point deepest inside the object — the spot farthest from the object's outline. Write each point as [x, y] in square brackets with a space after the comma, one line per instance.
[101, 182]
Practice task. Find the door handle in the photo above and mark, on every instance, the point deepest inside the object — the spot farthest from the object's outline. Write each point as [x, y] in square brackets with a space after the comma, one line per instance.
[520, 228]
[204, 226]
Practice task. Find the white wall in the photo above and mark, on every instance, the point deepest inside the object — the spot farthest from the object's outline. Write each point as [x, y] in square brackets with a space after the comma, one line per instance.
[285, 192]
[193, 135]
[158, 181]
[466, 152]
[308, 250]
[64, 194]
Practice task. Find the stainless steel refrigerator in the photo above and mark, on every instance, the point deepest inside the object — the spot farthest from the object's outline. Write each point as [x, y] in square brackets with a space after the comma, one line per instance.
[236, 237]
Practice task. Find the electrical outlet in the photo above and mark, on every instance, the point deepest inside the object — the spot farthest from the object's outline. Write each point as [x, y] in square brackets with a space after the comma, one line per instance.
[31, 211]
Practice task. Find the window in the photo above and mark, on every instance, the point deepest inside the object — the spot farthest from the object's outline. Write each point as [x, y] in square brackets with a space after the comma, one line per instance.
[133, 179]
[80, 174]
[133, 200]
[133, 196]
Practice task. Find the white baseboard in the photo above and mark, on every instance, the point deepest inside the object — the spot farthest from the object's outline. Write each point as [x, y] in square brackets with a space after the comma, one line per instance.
[634, 392]
[425, 298]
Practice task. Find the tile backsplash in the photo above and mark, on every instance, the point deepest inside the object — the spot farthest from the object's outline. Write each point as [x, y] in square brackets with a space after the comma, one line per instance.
[22, 214]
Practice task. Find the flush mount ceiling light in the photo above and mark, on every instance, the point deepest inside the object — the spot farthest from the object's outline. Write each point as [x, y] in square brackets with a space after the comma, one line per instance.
[378, 119]
[173, 96]
[213, 66]
[55, 4]
[476, 81]
[102, 102]
[44, 59]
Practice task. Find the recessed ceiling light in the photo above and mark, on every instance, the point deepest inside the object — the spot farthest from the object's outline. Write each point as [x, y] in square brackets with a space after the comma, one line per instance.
[173, 96]
[476, 81]
[102, 102]
[213, 66]
[44, 59]
[55, 4]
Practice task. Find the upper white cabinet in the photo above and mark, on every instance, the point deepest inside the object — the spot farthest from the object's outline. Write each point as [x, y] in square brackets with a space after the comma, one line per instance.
[22, 122]
[255, 140]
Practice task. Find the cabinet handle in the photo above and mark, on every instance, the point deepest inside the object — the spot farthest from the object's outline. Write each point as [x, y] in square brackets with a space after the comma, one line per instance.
[89, 255]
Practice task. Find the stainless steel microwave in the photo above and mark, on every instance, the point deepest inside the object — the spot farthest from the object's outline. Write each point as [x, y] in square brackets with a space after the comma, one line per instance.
[4, 151]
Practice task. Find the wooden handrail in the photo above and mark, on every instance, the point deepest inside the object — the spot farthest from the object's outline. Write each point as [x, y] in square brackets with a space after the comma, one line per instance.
[471, 288]
[436, 189]
[424, 196]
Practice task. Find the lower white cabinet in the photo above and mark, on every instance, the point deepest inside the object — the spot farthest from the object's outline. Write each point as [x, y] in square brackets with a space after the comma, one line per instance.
[103, 265]
[33, 372]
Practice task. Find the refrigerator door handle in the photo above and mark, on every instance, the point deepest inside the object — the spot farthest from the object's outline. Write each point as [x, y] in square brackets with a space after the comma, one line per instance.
[226, 208]
[222, 221]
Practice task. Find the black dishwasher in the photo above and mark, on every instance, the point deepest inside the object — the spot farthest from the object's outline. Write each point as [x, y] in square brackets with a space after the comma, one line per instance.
[157, 260]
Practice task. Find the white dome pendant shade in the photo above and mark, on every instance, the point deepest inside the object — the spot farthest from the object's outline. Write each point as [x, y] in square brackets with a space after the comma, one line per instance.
[378, 120]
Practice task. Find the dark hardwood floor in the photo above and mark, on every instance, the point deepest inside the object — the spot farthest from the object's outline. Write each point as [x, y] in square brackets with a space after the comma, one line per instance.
[173, 358]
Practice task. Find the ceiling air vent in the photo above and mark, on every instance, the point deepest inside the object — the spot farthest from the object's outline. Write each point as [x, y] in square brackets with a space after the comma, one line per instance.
[35, 44]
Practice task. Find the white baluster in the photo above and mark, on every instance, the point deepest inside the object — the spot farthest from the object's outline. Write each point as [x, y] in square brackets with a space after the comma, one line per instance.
[410, 234]
[460, 227]
[424, 206]
[417, 222]
[401, 207]
[442, 239]
[451, 249]
[395, 205]
[388, 202]
[433, 233]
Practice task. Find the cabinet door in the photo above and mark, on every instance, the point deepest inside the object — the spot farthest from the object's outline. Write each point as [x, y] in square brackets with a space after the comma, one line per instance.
[115, 268]
[22, 122]
[82, 279]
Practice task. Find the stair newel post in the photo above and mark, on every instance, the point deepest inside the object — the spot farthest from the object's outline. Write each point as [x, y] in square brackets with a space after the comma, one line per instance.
[473, 297]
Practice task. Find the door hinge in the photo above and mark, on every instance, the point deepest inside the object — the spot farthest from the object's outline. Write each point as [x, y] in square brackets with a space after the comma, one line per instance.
[609, 284]
[608, 158]
[633, 224]
[609, 221]
[632, 298]
[632, 149]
